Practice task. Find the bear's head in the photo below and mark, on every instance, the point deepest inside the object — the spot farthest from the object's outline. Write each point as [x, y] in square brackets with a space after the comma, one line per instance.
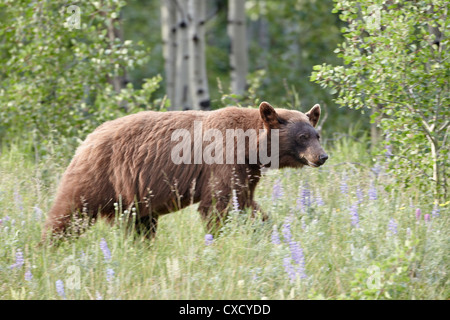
[299, 141]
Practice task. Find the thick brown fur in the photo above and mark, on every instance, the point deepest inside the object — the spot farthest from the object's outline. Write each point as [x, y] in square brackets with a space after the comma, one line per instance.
[128, 161]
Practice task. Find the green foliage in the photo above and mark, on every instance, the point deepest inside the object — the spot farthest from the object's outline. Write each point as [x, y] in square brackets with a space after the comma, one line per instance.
[141, 23]
[397, 62]
[56, 81]
[287, 39]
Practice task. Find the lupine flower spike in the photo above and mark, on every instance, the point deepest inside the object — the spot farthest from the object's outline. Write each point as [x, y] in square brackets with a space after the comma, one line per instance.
[60, 289]
[19, 260]
[209, 239]
[392, 226]
[418, 213]
[105, 250]
[275, 236]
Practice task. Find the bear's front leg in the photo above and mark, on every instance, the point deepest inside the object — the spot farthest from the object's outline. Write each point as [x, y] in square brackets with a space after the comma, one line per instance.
[214, 209]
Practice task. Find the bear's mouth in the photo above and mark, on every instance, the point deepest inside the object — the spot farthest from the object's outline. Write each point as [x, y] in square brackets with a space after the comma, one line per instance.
[306, 162]
[312, 164]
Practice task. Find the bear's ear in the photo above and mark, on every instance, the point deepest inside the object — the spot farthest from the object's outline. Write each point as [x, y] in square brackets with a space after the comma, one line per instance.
[268, 115]
[314, 115]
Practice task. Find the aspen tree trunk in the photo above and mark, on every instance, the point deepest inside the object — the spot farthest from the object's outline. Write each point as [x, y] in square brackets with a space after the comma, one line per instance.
[238, 38]
[169, 31]
[198, 80]
[182, 100]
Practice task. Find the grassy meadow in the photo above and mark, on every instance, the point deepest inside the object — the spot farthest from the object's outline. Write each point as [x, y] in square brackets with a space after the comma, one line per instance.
[335, 233]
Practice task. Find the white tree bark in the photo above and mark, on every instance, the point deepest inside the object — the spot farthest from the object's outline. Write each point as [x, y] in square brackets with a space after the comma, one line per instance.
[238, 38]
[168, 29]
[197, 67]
[182, 100]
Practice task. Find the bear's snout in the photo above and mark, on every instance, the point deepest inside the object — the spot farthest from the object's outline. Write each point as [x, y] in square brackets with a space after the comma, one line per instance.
[322, 158]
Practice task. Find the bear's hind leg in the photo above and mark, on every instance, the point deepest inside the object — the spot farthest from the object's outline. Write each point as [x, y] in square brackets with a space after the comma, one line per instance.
[146, 226]
[214, 216]
[63, 222]
[56, 224]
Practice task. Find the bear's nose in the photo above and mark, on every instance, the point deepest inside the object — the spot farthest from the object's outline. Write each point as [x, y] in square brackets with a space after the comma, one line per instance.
[323, 158]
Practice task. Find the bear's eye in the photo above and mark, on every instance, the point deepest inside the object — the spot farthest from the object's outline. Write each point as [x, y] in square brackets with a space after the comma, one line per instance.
[302, 137]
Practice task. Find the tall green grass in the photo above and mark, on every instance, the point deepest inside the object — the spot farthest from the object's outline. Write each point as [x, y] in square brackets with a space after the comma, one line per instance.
[352, 247]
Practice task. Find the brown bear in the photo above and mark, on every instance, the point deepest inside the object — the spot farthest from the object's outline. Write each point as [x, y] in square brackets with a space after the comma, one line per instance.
[139, 161]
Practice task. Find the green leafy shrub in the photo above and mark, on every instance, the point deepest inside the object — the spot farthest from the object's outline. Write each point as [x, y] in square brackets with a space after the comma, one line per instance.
[56, 81]
[396, 62]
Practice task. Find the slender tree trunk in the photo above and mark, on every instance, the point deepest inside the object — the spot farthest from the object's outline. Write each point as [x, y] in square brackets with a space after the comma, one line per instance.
[197, 68]
[112, 35]
[182, 100]
[436, 168]
[238, 38]
[169, 30]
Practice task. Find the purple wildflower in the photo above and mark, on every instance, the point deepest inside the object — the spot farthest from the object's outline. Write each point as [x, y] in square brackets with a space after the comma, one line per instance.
[344, 186]
[418, 213]
[392, 226]
[19, 201]
[372, 192]
[19, 260]
[297, 253]
[319, 200]
[297, 269]
[388, 152]
[277, 191]
[303, 225]
[109, 274]
[299, 204]
[435, 211]
[286, 230]
[427, 217]
[209, 239]
[275, 236]
[354, 217]
[28, 275]
[376, 169]
[60, 289]
[289, 268]
[255, 275]
[37, 213]
[305, 198]
[105, 250]
[359, 194]
[301, 271]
